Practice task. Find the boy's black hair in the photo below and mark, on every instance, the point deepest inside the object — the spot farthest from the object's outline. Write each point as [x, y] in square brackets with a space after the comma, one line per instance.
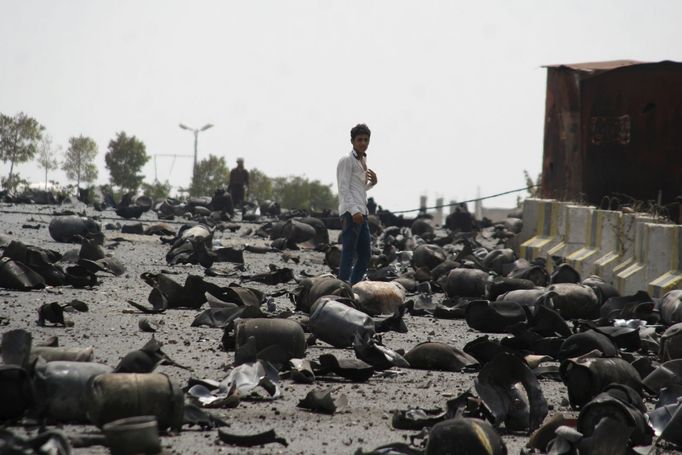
[358, 129]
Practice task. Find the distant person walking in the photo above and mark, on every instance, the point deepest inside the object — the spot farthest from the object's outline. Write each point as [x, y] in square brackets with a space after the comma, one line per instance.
[239, 180]
[354, 178]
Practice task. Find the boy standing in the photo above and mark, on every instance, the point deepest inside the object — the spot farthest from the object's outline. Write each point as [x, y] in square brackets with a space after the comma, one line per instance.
[354, 178]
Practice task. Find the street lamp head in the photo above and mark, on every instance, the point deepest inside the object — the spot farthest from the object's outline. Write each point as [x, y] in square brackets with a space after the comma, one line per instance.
[185, 127]
[207, 126]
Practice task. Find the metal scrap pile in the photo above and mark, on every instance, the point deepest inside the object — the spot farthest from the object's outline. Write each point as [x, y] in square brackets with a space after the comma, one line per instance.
[617, 357]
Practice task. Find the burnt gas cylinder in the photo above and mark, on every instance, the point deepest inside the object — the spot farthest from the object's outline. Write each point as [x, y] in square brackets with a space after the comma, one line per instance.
[587, 378]
[72, 227]
[671, 307]
[335, 323]
[494, 317]
[52, 354]
[61, 388]
[465, 283]
[114, 396]
[133, 435]
[465, 436]
[16, 392]
[621, 403]
[282, 333]
[379, 297]
[671, 347]
[575, 301]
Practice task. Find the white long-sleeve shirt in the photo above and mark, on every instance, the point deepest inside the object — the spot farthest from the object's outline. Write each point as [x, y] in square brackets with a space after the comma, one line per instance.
[351, 178]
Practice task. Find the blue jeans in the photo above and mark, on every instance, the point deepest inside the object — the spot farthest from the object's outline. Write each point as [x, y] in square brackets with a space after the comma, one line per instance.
[356, 247]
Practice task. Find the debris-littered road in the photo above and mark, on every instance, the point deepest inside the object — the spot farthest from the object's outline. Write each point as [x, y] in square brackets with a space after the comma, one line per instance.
[111, 327]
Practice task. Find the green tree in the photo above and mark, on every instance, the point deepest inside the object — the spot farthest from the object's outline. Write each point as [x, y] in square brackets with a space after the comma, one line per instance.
[125, 158]
[157, 190]
[48, 155]
[19, 137]
[260, 186]
[79, 160]
[297, 192]
[321, 196]
[211, 173]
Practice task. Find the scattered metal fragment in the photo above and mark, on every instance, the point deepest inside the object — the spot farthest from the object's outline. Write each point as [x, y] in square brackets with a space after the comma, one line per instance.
[369, 349]
[267, 437]
[323, 401]
[54, 312]
[147, 326]
[500, 384]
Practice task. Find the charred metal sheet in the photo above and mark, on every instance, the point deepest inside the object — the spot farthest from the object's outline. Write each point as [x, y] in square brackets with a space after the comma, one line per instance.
[613, 127]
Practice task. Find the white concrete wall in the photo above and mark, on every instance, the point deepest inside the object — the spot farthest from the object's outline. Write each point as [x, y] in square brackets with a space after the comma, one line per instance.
[632, 251]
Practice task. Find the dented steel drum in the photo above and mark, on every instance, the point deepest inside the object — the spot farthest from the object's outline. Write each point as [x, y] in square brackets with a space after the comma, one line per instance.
[283, 333]
[62, 388]
[379, 297]
[72, 227]
[336, 323]
[114, 396]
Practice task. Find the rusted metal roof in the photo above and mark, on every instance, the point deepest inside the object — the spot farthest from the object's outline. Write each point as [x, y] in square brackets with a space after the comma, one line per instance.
[597, 66]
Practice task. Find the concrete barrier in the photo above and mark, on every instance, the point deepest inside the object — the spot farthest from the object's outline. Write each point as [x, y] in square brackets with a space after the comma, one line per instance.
[630, 244]
[531, 207]
[652, 257]
[669, 256]
[550, 220]
[540, 220]
[576, 221]
[601, 237]
[632, 251]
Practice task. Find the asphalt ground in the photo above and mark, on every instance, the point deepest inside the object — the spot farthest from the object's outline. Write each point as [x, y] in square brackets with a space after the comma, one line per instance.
[111, 327]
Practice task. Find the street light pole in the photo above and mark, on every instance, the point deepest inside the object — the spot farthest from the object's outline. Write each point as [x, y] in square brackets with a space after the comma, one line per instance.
[196, 132]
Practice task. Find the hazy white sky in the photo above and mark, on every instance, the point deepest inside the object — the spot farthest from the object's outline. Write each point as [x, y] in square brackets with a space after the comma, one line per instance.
[453, 91]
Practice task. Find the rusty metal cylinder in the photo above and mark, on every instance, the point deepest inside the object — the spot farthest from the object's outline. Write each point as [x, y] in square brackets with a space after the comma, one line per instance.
[119, 395]
[62, 388]
[285, 334]
[52, 354]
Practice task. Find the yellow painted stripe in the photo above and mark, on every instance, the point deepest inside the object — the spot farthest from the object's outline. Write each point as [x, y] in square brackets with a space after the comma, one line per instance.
[666, 278]
[665, 283]
[623, 265]
[556, 249]
[627, 273]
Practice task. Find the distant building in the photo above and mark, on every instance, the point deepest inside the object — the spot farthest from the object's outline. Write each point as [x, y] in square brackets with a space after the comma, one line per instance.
[613, 127]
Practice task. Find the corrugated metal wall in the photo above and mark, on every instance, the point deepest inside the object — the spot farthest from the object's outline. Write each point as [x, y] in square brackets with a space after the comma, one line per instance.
[613, 131]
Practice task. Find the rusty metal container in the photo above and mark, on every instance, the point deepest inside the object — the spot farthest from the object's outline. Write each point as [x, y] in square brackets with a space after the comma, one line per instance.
[119, 395]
